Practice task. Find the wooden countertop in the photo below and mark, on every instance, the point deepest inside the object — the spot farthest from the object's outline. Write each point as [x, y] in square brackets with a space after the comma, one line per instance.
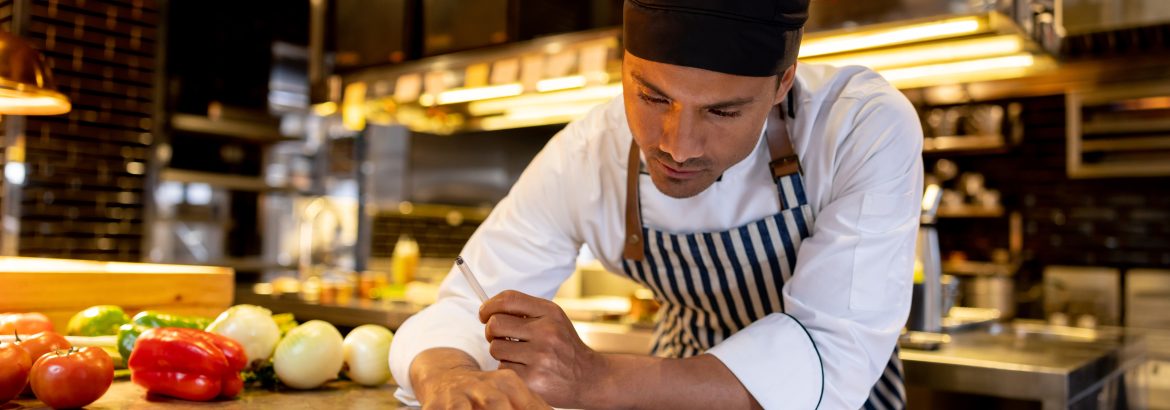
[334, 395]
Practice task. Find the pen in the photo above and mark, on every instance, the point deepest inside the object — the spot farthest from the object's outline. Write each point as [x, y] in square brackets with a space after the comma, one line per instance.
[475, 285]
[471, 279]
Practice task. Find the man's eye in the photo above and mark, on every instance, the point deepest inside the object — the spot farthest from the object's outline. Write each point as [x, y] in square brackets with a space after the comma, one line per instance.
[726, 114]
[652, 99]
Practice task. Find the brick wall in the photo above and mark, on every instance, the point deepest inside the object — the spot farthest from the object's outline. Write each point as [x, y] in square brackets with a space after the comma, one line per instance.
[83, 197]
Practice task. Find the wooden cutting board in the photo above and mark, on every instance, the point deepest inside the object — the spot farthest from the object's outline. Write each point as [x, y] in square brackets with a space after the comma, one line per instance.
[60, 288]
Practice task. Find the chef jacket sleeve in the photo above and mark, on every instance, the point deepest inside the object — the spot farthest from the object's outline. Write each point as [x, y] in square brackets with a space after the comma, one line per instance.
[528, 243]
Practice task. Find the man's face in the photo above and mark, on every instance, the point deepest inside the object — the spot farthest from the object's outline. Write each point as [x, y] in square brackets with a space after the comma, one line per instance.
[693, 124]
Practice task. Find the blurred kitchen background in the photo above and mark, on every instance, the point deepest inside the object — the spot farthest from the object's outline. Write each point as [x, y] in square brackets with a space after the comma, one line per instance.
[337, 153]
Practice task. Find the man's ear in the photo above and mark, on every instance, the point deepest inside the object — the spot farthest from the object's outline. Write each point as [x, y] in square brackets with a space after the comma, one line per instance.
[786, 80]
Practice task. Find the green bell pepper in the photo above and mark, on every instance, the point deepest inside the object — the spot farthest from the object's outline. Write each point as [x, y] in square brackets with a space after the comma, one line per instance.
[128, 333]
[151, 318]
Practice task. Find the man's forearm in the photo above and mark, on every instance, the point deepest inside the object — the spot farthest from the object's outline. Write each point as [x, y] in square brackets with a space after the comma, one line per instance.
[702, 381]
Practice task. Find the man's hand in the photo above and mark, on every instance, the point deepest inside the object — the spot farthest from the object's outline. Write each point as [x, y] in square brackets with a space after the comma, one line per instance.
[534, 338]
[445, 378]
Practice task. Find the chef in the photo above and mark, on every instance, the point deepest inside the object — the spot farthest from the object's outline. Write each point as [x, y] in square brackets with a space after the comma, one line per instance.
[770, 206]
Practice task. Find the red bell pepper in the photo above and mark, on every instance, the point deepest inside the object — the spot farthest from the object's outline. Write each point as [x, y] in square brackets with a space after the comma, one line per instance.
[187, 363]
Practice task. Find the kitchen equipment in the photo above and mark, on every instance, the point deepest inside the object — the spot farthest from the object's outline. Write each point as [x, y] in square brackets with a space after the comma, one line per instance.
[1083, 290]
[926, 307]
[1147, 299]
[990, 292]
[313, 211]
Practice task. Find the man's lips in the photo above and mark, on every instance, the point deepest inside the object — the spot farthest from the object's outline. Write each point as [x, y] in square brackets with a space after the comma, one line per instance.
[676, 172]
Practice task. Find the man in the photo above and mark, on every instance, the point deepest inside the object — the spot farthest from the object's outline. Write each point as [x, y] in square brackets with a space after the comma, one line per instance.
[771, 208]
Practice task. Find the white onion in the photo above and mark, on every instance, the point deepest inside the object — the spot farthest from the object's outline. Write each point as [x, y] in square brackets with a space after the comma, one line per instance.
[367, 353]
[309, 355]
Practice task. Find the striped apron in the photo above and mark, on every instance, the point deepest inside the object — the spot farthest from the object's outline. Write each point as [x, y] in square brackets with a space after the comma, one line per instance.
[712, 284]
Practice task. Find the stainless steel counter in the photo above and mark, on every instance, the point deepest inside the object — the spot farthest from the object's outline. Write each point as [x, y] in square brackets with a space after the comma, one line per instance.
[1058, 367]
[353, 314]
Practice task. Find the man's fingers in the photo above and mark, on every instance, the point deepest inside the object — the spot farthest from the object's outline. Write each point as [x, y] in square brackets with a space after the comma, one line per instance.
[501, 326]
[489, 398]
[449, 400]
[513, 303]
[506, 350]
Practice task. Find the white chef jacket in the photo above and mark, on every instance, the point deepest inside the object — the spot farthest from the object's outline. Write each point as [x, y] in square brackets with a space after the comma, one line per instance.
[859, 143]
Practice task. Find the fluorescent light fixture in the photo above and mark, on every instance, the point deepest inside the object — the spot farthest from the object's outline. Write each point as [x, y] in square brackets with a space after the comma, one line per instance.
[591, 94]
[560, 83]
[840, 43]
[527, 116]
[460, 95]
[928, 53]
[959, 71]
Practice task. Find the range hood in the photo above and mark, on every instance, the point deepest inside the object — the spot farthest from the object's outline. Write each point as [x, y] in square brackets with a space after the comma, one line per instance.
[913, 43]
[919, 43]
[1064, 28]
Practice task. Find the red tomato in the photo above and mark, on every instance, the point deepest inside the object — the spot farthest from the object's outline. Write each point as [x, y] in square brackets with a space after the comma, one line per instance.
[14, 367]
[24, 323]
[72, 378]
[39, 344]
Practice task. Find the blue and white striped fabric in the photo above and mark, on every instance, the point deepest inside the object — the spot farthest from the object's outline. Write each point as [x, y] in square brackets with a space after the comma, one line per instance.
[712, 284]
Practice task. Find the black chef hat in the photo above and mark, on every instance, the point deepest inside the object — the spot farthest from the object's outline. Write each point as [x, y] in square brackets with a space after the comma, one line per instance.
[757, 38]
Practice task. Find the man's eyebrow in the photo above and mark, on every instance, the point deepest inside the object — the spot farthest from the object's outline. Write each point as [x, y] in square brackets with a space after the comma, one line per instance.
[642, 81]
[730, 103]
[716, 106]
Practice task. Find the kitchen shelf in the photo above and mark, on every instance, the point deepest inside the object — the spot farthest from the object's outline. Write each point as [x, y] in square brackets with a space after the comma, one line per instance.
[250, 264]
[966, 143]
[1121, 126]
[229, 181]
[970, 211]
[1125, 144]
[244, 130]
[978, 268]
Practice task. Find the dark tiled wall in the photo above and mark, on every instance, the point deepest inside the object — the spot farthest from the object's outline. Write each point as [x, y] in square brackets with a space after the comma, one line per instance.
[84, 192]
[1120, 222]
[436, 238]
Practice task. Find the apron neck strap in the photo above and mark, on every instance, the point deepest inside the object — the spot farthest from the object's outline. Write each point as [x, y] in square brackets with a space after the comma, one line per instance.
[633, 248]
[784, 160]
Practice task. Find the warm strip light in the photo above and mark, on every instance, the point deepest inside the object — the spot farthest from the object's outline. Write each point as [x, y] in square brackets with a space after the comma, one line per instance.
[528, 116]
[562, 110]
[461, 95]
[325, 109]
[599, 93]
[919, 32]
[560, 83]
[957, 71]
[929, 54]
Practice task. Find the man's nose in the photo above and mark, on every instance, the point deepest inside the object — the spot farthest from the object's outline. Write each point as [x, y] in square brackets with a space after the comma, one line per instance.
[679, 138]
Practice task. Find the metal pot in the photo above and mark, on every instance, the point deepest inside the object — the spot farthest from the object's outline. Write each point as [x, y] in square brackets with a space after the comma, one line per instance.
[990, 291]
